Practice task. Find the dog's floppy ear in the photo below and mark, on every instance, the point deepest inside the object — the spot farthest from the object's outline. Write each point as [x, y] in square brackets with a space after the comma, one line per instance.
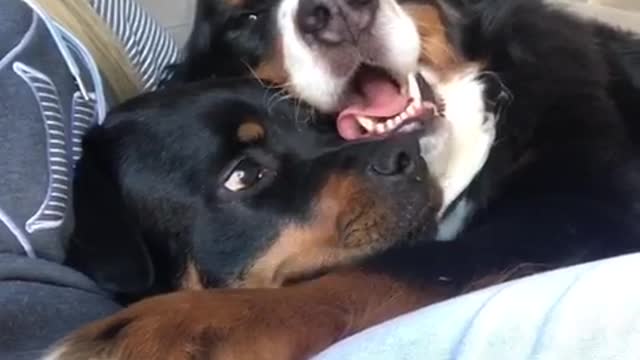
[106, 243]
[200, 59]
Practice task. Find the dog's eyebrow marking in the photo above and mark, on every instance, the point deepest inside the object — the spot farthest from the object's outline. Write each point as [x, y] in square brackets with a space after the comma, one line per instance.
[272, 67]
[235, 3]
[250, 131]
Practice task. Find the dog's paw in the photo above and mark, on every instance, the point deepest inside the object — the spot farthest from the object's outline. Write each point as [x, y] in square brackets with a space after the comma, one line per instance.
[225, 325]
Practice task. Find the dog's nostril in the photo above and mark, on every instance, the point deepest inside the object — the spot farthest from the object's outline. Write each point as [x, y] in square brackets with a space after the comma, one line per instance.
[397, 163]
[359, 3]
[403, 162]
[333, 22]
[313, 16]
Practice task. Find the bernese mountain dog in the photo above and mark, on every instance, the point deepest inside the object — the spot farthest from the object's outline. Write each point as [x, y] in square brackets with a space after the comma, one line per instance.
[566, 91]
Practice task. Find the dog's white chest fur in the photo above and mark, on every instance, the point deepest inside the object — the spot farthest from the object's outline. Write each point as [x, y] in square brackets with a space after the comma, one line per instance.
[452, 224]
[456, 155]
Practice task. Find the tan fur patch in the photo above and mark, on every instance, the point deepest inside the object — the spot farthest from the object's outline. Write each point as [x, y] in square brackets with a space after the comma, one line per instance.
[191, 279]
[250, 131]
[334, 236]
[437, 50]
[272, 68]
[235, 3]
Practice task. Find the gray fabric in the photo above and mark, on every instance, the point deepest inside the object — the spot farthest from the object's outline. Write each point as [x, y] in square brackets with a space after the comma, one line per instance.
[38, 96]
[21, 268]
[42, 118]
[34, 315]
[45, 109]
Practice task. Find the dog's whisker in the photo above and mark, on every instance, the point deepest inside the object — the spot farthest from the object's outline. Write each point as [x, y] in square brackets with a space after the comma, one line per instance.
[253, 73]
[274, 99]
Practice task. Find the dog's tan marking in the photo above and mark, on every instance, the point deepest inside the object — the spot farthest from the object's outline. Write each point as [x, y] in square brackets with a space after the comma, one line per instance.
[235, 3]
[250, 324]
[436, 49]
[191, 279]
[250, 131]
[272, 67]
[347, 223]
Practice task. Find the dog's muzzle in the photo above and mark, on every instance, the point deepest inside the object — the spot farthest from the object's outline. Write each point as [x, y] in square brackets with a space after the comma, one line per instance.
[333, 22]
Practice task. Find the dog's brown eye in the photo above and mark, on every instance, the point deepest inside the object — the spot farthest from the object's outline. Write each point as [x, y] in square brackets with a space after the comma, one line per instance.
[246, 174]
[243, 22]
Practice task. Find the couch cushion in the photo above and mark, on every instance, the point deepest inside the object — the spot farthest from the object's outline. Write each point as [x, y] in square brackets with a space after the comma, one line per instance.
[616, 16]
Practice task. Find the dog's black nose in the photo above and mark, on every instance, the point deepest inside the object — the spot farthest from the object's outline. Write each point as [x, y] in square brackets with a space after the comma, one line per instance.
[398, 159]
[335, 21]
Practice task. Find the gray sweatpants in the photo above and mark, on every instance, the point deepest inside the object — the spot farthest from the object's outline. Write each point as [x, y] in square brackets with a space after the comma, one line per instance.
[51, 92]
[42, 301]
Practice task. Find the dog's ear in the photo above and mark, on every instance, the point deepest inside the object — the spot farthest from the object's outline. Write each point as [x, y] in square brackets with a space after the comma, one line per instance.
[200, 59]
[106, 243]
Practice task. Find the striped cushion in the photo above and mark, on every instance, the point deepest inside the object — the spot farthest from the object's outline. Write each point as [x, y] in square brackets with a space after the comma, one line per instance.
[149, 46]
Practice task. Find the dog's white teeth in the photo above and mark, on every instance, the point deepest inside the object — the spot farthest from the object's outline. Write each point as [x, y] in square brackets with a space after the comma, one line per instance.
[366, 123]
[392, 124]
[411, 110]
[431, 107]
[414, 89]
[388, 125]
[382, 127]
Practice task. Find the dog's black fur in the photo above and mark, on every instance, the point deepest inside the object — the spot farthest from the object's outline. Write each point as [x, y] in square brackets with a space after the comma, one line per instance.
[224, 42]
[561, 185]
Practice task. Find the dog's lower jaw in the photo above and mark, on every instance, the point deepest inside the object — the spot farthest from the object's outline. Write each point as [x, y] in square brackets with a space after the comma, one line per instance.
[458, 150]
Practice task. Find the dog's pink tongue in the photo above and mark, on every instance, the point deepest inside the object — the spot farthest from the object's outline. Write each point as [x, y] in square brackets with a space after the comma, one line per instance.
[380, 98]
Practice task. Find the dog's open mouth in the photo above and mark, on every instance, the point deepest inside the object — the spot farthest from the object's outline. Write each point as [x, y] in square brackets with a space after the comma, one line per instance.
[379, 105]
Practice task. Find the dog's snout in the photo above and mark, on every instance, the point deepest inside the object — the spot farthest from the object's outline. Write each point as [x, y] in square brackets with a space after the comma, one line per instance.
[398, 160]
[313, 16]
[394, 162]
[332, 22]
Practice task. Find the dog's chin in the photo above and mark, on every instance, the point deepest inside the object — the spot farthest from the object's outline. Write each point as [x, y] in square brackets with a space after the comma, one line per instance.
[413, 221]
[407, 229]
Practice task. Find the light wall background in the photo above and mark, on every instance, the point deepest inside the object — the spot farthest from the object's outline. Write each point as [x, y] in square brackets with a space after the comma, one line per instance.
[177, 15]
